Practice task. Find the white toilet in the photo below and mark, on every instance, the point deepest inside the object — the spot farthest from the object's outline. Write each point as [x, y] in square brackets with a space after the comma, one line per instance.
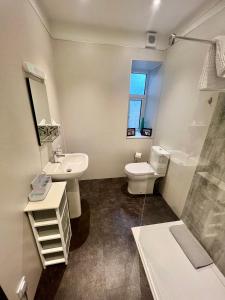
[142, 176]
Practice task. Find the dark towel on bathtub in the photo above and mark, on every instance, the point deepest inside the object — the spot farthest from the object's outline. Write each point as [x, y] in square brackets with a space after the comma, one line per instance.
[191, 246]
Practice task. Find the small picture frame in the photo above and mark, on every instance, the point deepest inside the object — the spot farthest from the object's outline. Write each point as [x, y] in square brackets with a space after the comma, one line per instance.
[146, 132]
[131, 131]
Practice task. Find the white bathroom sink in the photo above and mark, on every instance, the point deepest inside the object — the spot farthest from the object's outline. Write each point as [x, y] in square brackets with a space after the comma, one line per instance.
[70, 167]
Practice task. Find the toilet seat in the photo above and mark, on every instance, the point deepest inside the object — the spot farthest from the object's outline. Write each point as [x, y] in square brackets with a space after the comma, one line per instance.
[139, 169]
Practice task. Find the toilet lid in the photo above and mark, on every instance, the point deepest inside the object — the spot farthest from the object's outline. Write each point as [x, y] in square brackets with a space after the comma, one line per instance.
[139, 169]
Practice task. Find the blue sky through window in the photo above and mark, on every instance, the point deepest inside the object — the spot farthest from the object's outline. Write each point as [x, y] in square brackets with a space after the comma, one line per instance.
[134, 114]
[137, 83]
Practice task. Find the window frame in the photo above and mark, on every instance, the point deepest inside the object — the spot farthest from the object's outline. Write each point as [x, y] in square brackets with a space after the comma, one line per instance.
[139, 97]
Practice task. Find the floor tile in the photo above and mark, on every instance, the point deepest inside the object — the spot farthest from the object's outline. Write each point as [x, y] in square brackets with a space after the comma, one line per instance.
[104, 262]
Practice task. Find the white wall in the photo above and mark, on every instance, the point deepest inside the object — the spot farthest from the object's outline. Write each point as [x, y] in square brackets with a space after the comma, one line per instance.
[93, 85]
[22, 37]
[181, 106]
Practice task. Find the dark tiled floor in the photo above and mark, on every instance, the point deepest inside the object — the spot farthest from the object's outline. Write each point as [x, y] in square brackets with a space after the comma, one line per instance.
[104, 262]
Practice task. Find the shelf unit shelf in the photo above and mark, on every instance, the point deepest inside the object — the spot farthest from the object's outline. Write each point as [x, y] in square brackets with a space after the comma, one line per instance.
[50, 223]
[52, 250]
[55, 261]
[45, 223]
[49, 237]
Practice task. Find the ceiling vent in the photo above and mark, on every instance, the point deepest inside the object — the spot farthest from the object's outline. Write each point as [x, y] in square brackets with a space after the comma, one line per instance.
[151, 37]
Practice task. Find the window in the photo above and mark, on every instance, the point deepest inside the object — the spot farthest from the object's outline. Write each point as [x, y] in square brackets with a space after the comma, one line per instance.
[134, 113]
[144, 94]
[137, 83]
[137, 99]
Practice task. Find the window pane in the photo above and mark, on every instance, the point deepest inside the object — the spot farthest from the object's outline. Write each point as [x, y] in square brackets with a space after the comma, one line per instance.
[137, 84]
[134, 114]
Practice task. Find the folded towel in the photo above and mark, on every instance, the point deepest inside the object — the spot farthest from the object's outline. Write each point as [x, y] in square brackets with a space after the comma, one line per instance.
[209, 79]
[54, 123]
[220, 55]
[42, 123]
[191, 246]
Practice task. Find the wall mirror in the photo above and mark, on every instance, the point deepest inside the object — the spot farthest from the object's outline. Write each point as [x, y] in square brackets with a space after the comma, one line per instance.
[40, 100]
[39, 106]
[46, 129]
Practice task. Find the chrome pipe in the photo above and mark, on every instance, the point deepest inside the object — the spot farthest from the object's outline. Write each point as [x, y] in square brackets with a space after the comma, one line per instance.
[173, 37]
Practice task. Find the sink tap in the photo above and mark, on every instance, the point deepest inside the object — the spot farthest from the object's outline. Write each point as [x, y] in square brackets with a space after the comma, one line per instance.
[56, 155]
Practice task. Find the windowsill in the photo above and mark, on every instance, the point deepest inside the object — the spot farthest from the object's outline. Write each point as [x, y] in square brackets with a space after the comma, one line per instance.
[142, 137]
[138, 136]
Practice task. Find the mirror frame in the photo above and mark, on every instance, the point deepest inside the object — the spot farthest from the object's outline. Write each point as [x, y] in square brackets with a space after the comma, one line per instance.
[33, 109]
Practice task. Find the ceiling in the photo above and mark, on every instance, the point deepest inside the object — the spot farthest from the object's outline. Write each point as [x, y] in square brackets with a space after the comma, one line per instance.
[162, 16]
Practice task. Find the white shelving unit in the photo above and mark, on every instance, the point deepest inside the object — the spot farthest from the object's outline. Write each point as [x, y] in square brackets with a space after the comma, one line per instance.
[50, 222]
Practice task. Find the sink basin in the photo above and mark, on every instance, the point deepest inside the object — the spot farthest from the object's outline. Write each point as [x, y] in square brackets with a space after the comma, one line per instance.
[70, 167]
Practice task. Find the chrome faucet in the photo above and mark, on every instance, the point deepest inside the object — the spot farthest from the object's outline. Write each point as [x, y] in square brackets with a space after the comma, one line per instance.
[56, 155]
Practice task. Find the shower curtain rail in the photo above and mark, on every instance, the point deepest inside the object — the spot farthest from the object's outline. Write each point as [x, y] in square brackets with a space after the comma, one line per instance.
[173, 37]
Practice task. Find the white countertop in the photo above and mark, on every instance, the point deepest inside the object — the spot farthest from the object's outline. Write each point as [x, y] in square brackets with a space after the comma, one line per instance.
[52, 199]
